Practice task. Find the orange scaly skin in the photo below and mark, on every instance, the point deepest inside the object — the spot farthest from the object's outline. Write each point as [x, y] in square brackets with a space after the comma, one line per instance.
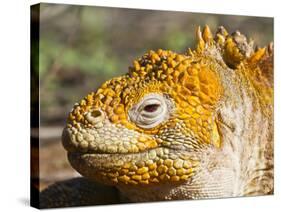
[181, 126]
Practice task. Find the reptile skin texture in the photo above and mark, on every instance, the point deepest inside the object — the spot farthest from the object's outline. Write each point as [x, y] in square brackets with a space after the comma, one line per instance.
[177, 126]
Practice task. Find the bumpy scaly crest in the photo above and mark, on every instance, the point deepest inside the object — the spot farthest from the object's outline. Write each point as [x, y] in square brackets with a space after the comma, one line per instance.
[235, 48]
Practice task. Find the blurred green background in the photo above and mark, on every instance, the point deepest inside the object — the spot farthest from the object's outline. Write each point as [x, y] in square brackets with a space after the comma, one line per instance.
[82, 46]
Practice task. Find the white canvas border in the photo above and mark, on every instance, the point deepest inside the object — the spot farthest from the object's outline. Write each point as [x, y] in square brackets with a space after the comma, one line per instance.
[14, 180]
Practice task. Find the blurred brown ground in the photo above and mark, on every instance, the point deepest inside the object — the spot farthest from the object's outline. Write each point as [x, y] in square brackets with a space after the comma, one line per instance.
[53, 159]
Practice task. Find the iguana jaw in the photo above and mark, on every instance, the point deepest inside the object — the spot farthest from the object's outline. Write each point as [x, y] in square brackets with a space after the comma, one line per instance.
[149, 165]
[135, 177]
[144, 168]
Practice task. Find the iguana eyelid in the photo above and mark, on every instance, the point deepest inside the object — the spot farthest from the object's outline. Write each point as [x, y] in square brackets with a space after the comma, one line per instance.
[147, 102]
[147, 120]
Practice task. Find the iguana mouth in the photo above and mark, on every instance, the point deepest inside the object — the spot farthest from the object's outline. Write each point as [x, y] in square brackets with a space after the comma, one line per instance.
[104, 159]
[110, 154]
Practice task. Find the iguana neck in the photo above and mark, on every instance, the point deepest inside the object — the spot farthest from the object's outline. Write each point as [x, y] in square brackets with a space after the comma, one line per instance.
[246, 130]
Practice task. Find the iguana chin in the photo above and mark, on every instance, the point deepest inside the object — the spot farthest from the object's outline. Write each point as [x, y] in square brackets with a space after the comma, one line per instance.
[181, 126]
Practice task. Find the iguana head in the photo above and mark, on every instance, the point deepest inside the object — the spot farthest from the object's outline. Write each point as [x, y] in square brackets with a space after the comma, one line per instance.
[158, 124]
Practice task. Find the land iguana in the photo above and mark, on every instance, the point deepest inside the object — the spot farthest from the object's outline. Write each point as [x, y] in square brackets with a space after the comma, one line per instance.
[176, 126]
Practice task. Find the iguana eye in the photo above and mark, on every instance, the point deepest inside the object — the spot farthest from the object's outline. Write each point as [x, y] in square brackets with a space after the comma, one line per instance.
[151, 108]
[150, 111]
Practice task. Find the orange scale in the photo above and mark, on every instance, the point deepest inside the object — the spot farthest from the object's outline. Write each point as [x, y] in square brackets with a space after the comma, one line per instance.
[183, 104]
[184, 116]
[205, 89]
[193, 100]
[193, 122]
[192, 71]
[203, 78]
[186, 91]
[114, 118]
[119, 109]
[196, 115]
[189, 110]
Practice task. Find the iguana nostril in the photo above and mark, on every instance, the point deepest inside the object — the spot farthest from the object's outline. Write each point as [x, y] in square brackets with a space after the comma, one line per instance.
[96, 113]
[95, 116]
